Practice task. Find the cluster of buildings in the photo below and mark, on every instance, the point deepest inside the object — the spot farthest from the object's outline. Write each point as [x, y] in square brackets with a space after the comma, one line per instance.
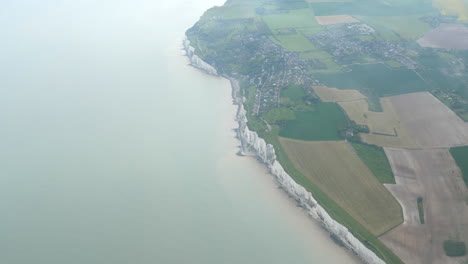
[278, 67]
[349, 42]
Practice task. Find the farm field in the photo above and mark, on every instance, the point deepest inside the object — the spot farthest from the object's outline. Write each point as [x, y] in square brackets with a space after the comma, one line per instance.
[429, 122]
[293, 92]
[446, 36]
[368, 80]
[297, 18]
[384, 122]
[385, 127]
[389, 141]
[371, 7]
[432, 175]
[337, 19]
[393, 64]
[453, 7]
[330, 94]
[316, 54]
[294, 42]
[393, 27]
[376, 160]
[320, 124]
[460, 155]
[351, 184]
[332, 66]
[289, 28]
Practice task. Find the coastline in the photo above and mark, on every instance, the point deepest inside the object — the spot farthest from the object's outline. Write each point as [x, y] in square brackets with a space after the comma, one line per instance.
[253, 145]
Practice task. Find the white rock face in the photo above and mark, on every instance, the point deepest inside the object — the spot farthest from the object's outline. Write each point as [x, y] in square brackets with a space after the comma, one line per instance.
[253, 145]
[195, 61]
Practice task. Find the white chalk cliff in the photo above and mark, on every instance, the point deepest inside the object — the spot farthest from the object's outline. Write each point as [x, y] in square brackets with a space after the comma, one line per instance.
[252, 144]
[195, 61]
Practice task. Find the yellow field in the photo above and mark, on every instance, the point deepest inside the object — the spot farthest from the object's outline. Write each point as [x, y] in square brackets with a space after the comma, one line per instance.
[328, 94]
[337, 170]
[453, 7]
[333, 20]
[385, 127]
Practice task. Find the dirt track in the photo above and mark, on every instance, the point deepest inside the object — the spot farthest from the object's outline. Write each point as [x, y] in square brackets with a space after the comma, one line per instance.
[433, 175]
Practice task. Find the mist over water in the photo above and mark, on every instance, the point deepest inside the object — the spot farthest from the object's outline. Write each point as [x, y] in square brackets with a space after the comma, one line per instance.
[113, 150]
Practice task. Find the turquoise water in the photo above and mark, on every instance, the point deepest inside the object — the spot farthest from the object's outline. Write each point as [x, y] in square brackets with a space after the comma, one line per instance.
[113, 150]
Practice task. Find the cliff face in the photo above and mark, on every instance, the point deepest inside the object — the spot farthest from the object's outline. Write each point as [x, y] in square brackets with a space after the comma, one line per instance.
[253, 145]
[195, 61]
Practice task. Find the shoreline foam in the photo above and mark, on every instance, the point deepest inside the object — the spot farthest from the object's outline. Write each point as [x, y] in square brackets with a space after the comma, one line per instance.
[253, 145]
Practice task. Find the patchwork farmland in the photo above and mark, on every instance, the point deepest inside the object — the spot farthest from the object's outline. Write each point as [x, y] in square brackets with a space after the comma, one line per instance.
[423, 130]
[433, 175]
[429, 122]
[338, 142]
[385, 127]
[351, 184]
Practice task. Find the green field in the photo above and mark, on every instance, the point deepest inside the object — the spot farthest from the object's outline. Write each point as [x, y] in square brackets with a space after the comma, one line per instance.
[368, 80]
[321, 124]
[293, 92]
[460, 154]
[454, 248]
[332, 208]
[393, 64]
[301, 20]
[316, 54]
[332, 66]
[374, 157]
[294, 42]
[393, 27]
[295, 98]
[420, 202]
[310, 30]
[277, 115]
[298, 18]
[340, 173]
[373, 7]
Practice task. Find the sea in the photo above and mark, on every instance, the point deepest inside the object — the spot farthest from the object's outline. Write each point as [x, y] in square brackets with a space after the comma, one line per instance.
[113, 150]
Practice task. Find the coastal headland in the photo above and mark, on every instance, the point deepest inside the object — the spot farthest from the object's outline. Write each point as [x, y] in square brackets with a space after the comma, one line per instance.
[335, 97]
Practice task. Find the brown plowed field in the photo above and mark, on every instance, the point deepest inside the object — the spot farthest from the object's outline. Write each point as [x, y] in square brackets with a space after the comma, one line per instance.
[433, 175]
[428, 122]
[446, 36]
